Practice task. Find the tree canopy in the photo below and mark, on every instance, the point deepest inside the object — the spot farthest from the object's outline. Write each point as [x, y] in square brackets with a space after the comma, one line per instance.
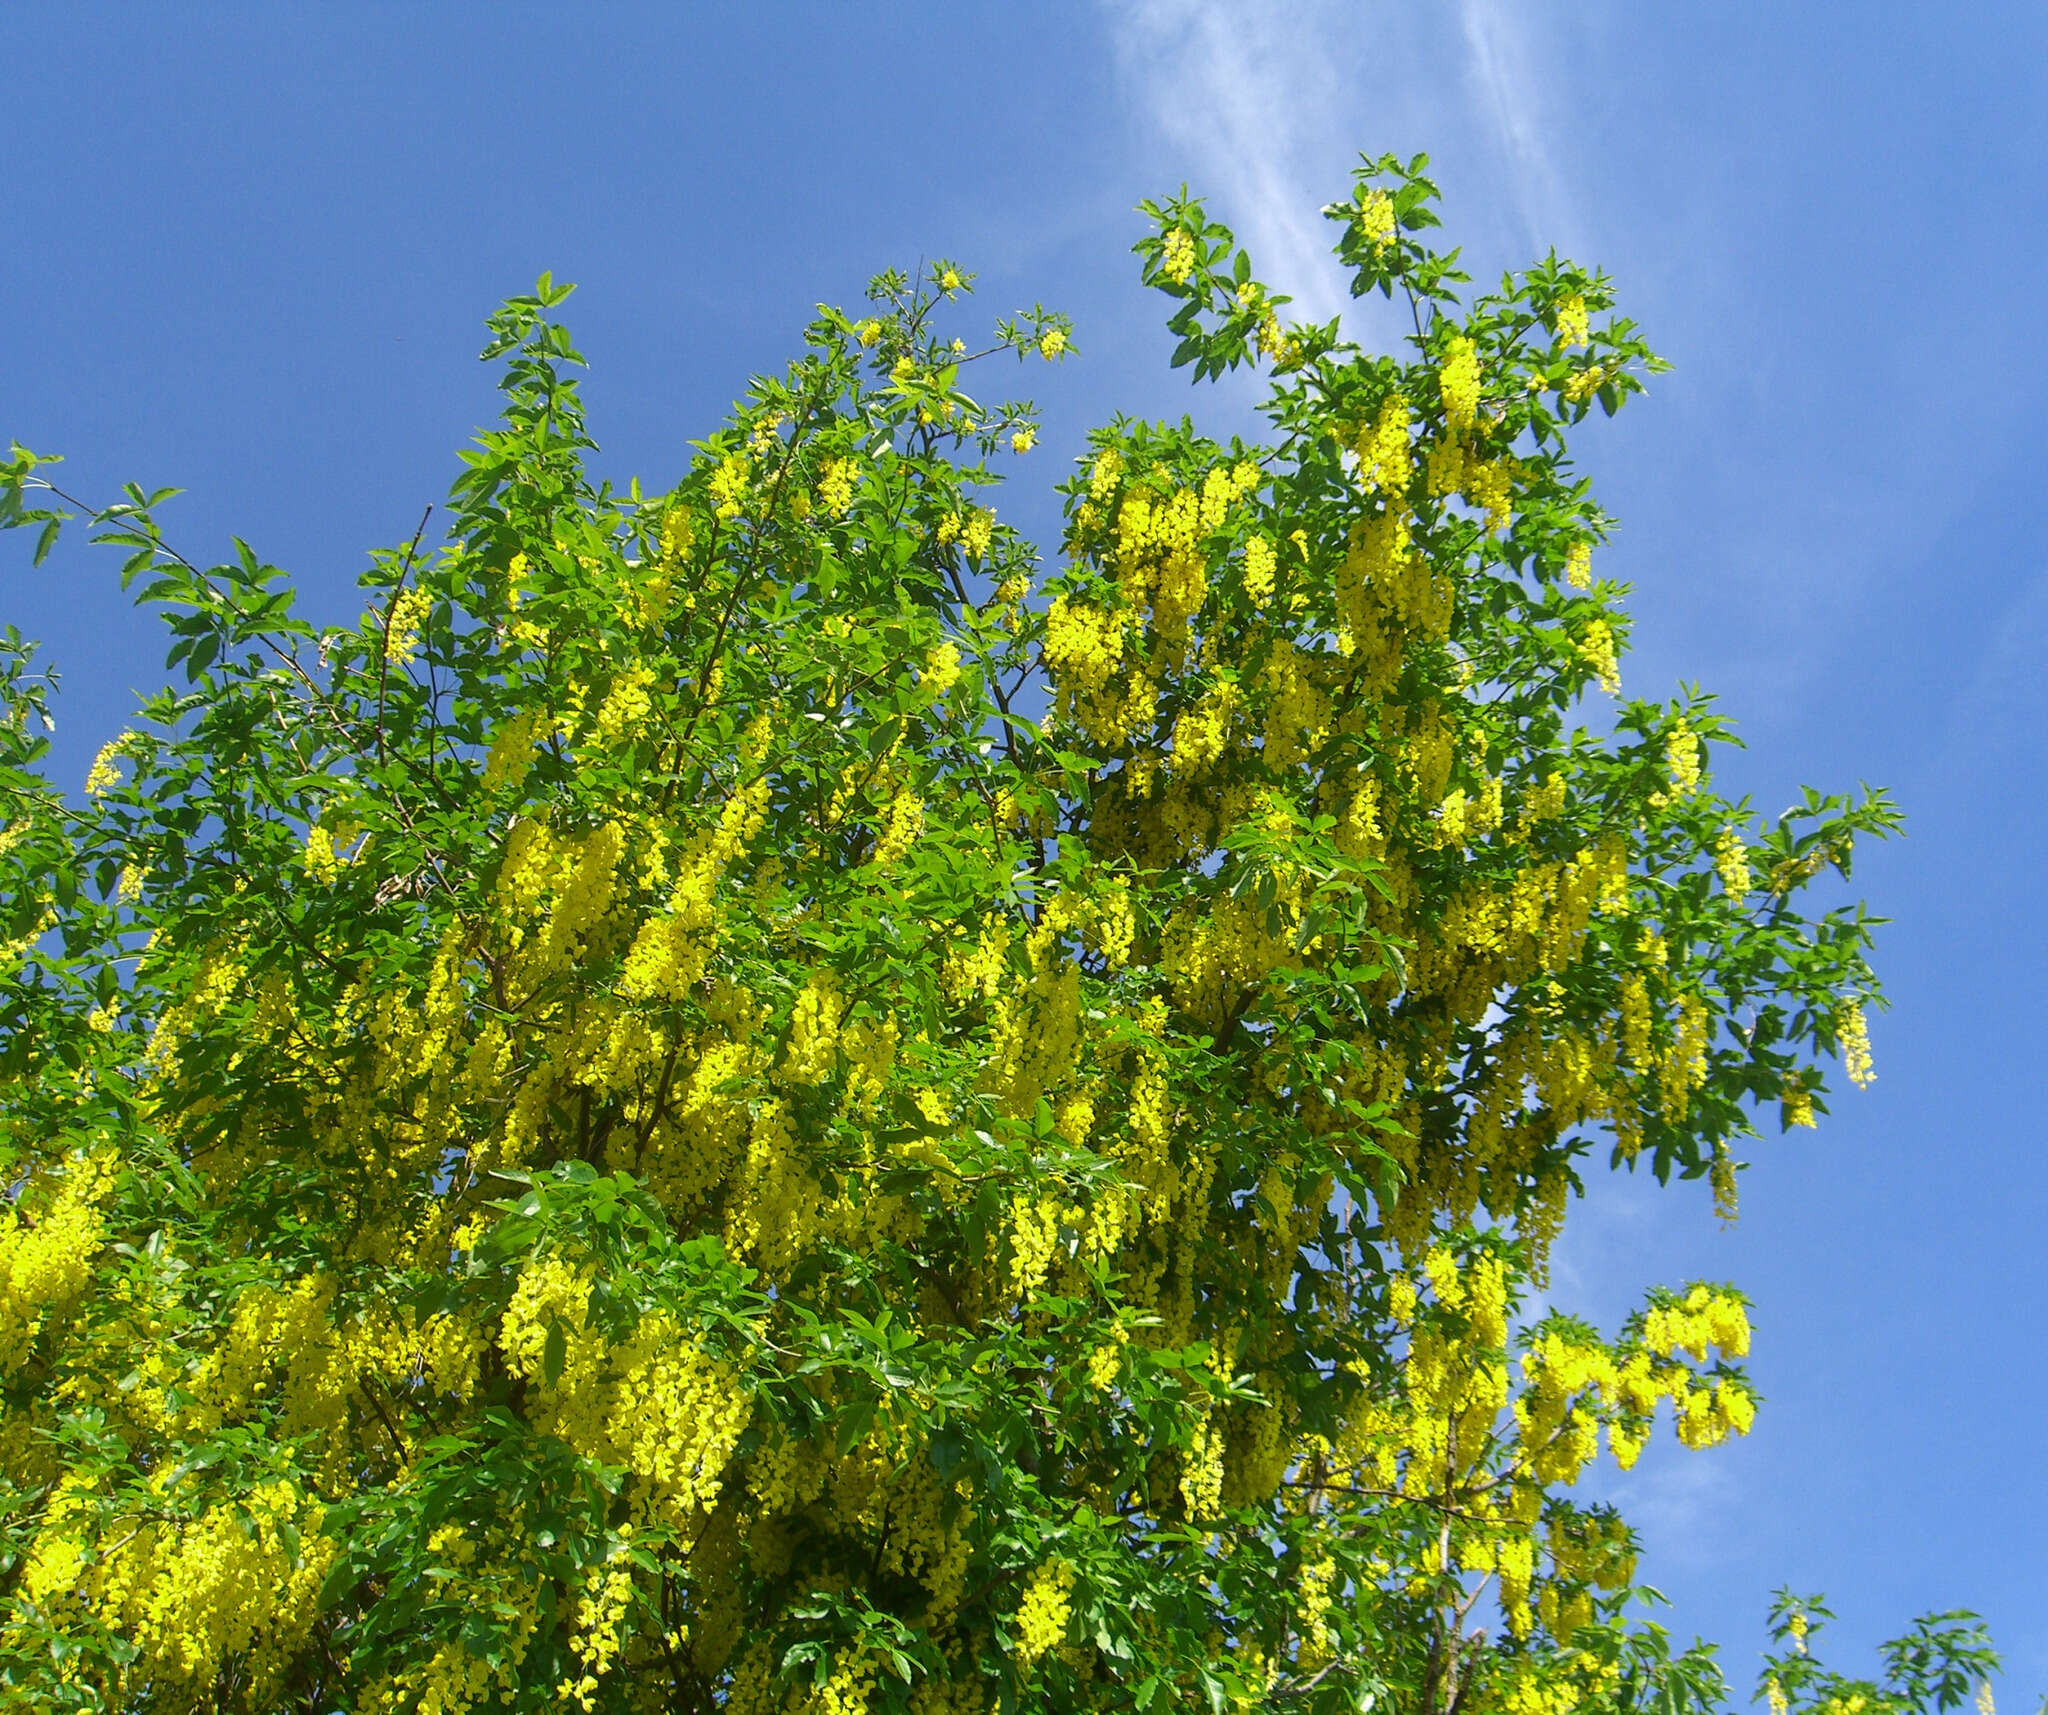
[750, 1098]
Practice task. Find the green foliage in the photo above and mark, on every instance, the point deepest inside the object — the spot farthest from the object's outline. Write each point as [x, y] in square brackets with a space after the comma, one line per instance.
[724, 1104]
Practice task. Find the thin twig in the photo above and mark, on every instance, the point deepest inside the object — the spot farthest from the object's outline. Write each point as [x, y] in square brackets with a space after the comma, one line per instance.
[390, 609]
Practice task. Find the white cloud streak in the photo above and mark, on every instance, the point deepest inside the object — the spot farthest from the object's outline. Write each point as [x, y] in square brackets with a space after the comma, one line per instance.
[1238, 92]
[1265, 107]
[1505, 71]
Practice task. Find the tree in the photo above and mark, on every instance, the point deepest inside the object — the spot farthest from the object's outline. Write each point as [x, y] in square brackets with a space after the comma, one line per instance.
[739, 1099]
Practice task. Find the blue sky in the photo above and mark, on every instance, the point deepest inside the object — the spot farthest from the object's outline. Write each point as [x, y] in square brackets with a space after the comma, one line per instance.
[248, 253]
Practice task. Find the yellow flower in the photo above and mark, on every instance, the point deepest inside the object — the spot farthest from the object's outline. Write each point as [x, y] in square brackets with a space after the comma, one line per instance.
[1177, 259]
[1570, 323]
[941, 668]
[1384, 460]
[1459, 382]
[1596, 649]
[1259, 564]
[1051, 343]
[1585, 382]
[1024, 439]
[402, 629]
[1682, 757]
[103, 775]
[1854, 1034]
[901, 827]
[1042, 1615]
[729, 483]
[1376, 218]
[1731, 859]
[322, 861]
[835, 486]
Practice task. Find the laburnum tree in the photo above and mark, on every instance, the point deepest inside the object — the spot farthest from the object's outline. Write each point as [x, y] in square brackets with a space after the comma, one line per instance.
[744, 1099]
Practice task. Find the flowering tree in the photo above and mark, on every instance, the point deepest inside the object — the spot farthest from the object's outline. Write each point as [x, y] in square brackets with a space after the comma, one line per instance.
[741, 1100]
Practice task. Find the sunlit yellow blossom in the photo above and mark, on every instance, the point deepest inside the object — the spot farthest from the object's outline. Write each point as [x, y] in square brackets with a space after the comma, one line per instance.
[103, 775]
[322, 862]
[941, 668]
[402, 625]
[1177, 258]
[1853, 1031]
[1584, 383]
[511, 752]
[901, 826]
[1596, 649]
[1682, 759]
[1459, 381]
[1731, 861]
[1042, 1614]
[835, 486]
[1259, 563]
[1376, 218]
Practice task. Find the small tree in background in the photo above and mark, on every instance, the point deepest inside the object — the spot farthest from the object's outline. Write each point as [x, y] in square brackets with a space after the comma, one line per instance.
[742, 1100]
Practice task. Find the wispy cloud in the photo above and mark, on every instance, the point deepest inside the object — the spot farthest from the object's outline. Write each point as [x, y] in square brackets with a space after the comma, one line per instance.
[1266, 107]
[1508, 72]
[1238, 90]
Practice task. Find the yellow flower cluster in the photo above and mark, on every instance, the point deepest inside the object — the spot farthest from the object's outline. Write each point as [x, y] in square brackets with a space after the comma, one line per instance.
[46, 1251]
[511, 752]
[1731, 862]
[1042, 1613]
[1853, 1030]
[1375, 218]
[1682, 759]
[1385, 462]
[901, 826]
[1596, 649]
[1259, 564]
[103, 776]
[1706, 1318]
[600, 1613]
[1459, 380]
[322, 863]
[728, 484]
[402, 625]
[655, 1403]
[191, 1590]
[1177, 256]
